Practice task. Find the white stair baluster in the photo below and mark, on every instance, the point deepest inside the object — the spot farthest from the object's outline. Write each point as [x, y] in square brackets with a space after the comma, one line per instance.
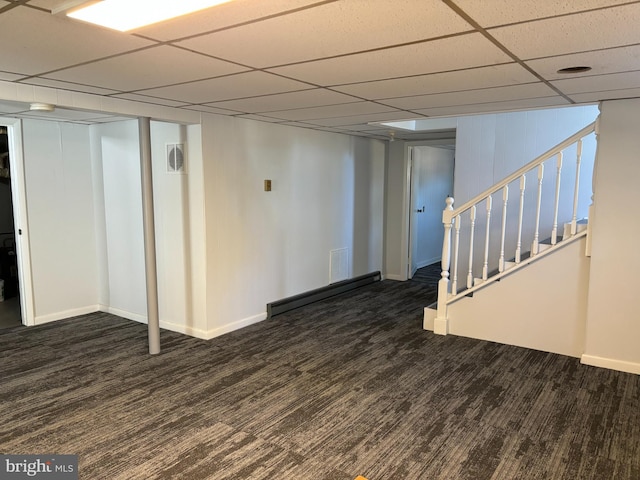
[523, 184]
[554, 231]
[485, 265]
[505, 198]
[473, 228]
[536, 233]
[454, 265]
[574, 218]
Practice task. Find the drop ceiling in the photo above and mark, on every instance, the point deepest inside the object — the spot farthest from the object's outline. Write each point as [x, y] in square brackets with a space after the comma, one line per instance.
[334, 65]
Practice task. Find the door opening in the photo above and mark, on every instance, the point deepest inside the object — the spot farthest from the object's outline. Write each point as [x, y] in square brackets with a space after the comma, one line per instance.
[431, 182]
[10, 312]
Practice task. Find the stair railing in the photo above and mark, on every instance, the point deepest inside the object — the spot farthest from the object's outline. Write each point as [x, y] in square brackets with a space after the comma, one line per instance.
[492, 269]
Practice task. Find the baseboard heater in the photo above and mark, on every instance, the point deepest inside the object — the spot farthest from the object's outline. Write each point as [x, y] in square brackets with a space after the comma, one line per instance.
[302, 299]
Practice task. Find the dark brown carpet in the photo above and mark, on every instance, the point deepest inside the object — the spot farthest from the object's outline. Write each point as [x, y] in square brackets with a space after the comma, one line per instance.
[345, 387]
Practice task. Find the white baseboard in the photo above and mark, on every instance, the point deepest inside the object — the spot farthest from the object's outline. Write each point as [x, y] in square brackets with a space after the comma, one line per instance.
[136, 317]
[611, 363]
[186, 329]
[230, 327]
[74, 312]
[398, 278]
[173, 327]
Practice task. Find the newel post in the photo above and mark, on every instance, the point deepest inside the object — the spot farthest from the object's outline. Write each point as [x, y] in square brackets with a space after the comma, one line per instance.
[440, 324]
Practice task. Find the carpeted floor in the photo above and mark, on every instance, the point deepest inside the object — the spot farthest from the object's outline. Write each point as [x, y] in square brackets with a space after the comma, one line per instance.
[345, 387]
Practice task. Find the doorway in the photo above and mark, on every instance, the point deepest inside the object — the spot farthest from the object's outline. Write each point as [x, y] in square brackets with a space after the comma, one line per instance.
[431, 182]
[10, 312]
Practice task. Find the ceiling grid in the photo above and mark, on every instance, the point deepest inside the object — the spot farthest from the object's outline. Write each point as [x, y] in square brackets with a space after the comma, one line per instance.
[334, 65]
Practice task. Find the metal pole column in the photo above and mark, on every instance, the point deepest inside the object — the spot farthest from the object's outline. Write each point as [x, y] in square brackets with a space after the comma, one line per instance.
[144, 128]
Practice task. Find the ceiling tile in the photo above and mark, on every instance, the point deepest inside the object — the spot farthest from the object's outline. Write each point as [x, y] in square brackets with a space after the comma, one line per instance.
[329, 30]
[284, 101]
[593, 97]
[358, 119]
[223, 16]
[45, 82]
[54, 42]
[148, 99]
[509, 106]
[464, 51]
[260, 118]
[329, 111]
[510, 11]
[9, 77]
[613, 27]
[241, 85]
[599, 83]
[483, 77]
[153, 67]
[207, 109]
[48, 4]
[485, 95]
[601, 62]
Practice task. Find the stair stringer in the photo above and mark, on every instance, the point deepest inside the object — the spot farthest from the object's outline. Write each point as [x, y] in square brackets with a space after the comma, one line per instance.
[542, 306]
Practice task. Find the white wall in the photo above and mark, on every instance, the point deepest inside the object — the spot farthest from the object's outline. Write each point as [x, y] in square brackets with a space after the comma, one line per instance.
[179, 226]
[59, 194]
[116, 154]
[327, 193]
[613, 326]
[179, 222]
[396, 204]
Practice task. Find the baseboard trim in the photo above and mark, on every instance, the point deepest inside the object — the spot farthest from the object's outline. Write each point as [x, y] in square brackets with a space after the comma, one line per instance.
[611, 364]
[186, 329]
[74, 312]
[173, 327]
[397, 278]
[230, 327]
[306, 298]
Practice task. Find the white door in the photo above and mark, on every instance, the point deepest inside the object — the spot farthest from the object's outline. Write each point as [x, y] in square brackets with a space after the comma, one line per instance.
[23, 260]
[432, 182]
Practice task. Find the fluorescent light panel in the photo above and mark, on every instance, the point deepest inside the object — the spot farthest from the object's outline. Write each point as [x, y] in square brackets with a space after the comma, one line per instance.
[127, 15]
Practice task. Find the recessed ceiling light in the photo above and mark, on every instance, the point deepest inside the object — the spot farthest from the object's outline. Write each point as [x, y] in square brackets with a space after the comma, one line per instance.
[568, 70]
[124, 15]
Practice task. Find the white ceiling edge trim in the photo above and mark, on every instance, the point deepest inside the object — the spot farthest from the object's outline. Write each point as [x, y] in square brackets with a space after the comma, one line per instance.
[27, 94]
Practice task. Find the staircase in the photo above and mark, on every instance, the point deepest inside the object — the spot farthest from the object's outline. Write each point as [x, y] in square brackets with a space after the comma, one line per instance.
[533, 214]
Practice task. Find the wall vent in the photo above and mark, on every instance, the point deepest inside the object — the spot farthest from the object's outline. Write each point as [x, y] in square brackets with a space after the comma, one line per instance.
[338, 265]
[176, 161]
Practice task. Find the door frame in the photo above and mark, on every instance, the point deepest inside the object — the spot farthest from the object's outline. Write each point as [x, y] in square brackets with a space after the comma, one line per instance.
[406, 253]
[19, 198]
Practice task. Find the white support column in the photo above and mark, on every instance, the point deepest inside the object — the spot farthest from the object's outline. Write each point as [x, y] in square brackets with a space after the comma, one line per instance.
[440, 324]
[153, 319]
